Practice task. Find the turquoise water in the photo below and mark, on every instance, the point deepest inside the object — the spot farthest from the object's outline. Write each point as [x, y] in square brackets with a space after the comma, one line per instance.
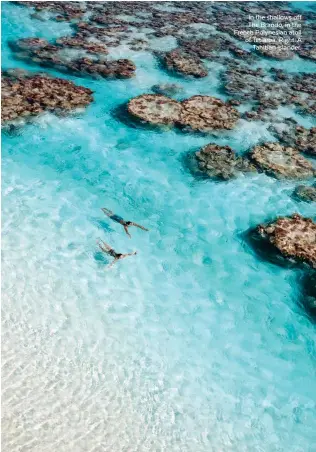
[192, 345]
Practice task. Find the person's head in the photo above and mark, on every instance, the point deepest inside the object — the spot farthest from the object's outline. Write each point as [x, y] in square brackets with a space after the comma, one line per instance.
[128, 223]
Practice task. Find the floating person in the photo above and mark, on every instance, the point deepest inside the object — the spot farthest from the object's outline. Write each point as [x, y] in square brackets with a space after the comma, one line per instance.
[118, 219]
[111, 252]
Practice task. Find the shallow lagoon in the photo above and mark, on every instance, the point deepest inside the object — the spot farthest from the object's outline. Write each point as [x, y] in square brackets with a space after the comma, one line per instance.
[193, 345]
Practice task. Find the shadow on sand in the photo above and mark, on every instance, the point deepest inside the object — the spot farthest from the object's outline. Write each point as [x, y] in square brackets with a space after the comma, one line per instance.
[101, 259]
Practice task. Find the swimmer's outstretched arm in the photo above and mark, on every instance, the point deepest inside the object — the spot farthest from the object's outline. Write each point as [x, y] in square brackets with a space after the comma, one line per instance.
[138, 226]
[128, 254]
[107, 212]
[126, 230]
[113, 262]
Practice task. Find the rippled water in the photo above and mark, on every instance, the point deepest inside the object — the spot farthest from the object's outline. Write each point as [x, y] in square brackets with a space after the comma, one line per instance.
[192, 345]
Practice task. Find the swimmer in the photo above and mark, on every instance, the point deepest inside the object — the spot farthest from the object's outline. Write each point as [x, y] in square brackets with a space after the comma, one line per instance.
[118, 219]
[111, 252]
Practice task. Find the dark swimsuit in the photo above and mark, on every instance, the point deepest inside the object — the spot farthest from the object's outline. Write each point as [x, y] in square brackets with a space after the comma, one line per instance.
[112, 253]
[117, 218]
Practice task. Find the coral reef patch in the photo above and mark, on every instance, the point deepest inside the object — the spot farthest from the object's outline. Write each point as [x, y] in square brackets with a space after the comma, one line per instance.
[92, 61]
[27, 94]
[155, 109]
[282, 162]
[221, 162]
[198, 113]
[297, 136]
[305, 193]
[294, 237]
[185, 63]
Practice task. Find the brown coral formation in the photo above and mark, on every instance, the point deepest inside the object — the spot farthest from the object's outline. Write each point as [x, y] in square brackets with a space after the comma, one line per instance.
[247, 84]
[205, 48]
[294, 237]
[180, 23]
[276, 160]
[155, 109]
[306, 140]
[282, 162]
[122, 68]
[45, 54]
[102, 26]
[305, 193]
[198, 113]
[32, 43]
[86, 30]
[221, 162]
[304, 82]
[66, 10]
[185, 63]
[205, 113]
[299, 137]
[25, 95]
[276, 52]
[80, 43]
[303, 92]
[308, 52]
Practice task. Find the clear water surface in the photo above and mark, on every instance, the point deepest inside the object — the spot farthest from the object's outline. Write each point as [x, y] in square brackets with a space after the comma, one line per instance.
[193, 345]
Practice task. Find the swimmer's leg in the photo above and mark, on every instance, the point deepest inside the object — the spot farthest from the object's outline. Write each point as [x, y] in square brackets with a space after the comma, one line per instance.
[139, 226]
[113, 262]
[104, 246]
[126, 230]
